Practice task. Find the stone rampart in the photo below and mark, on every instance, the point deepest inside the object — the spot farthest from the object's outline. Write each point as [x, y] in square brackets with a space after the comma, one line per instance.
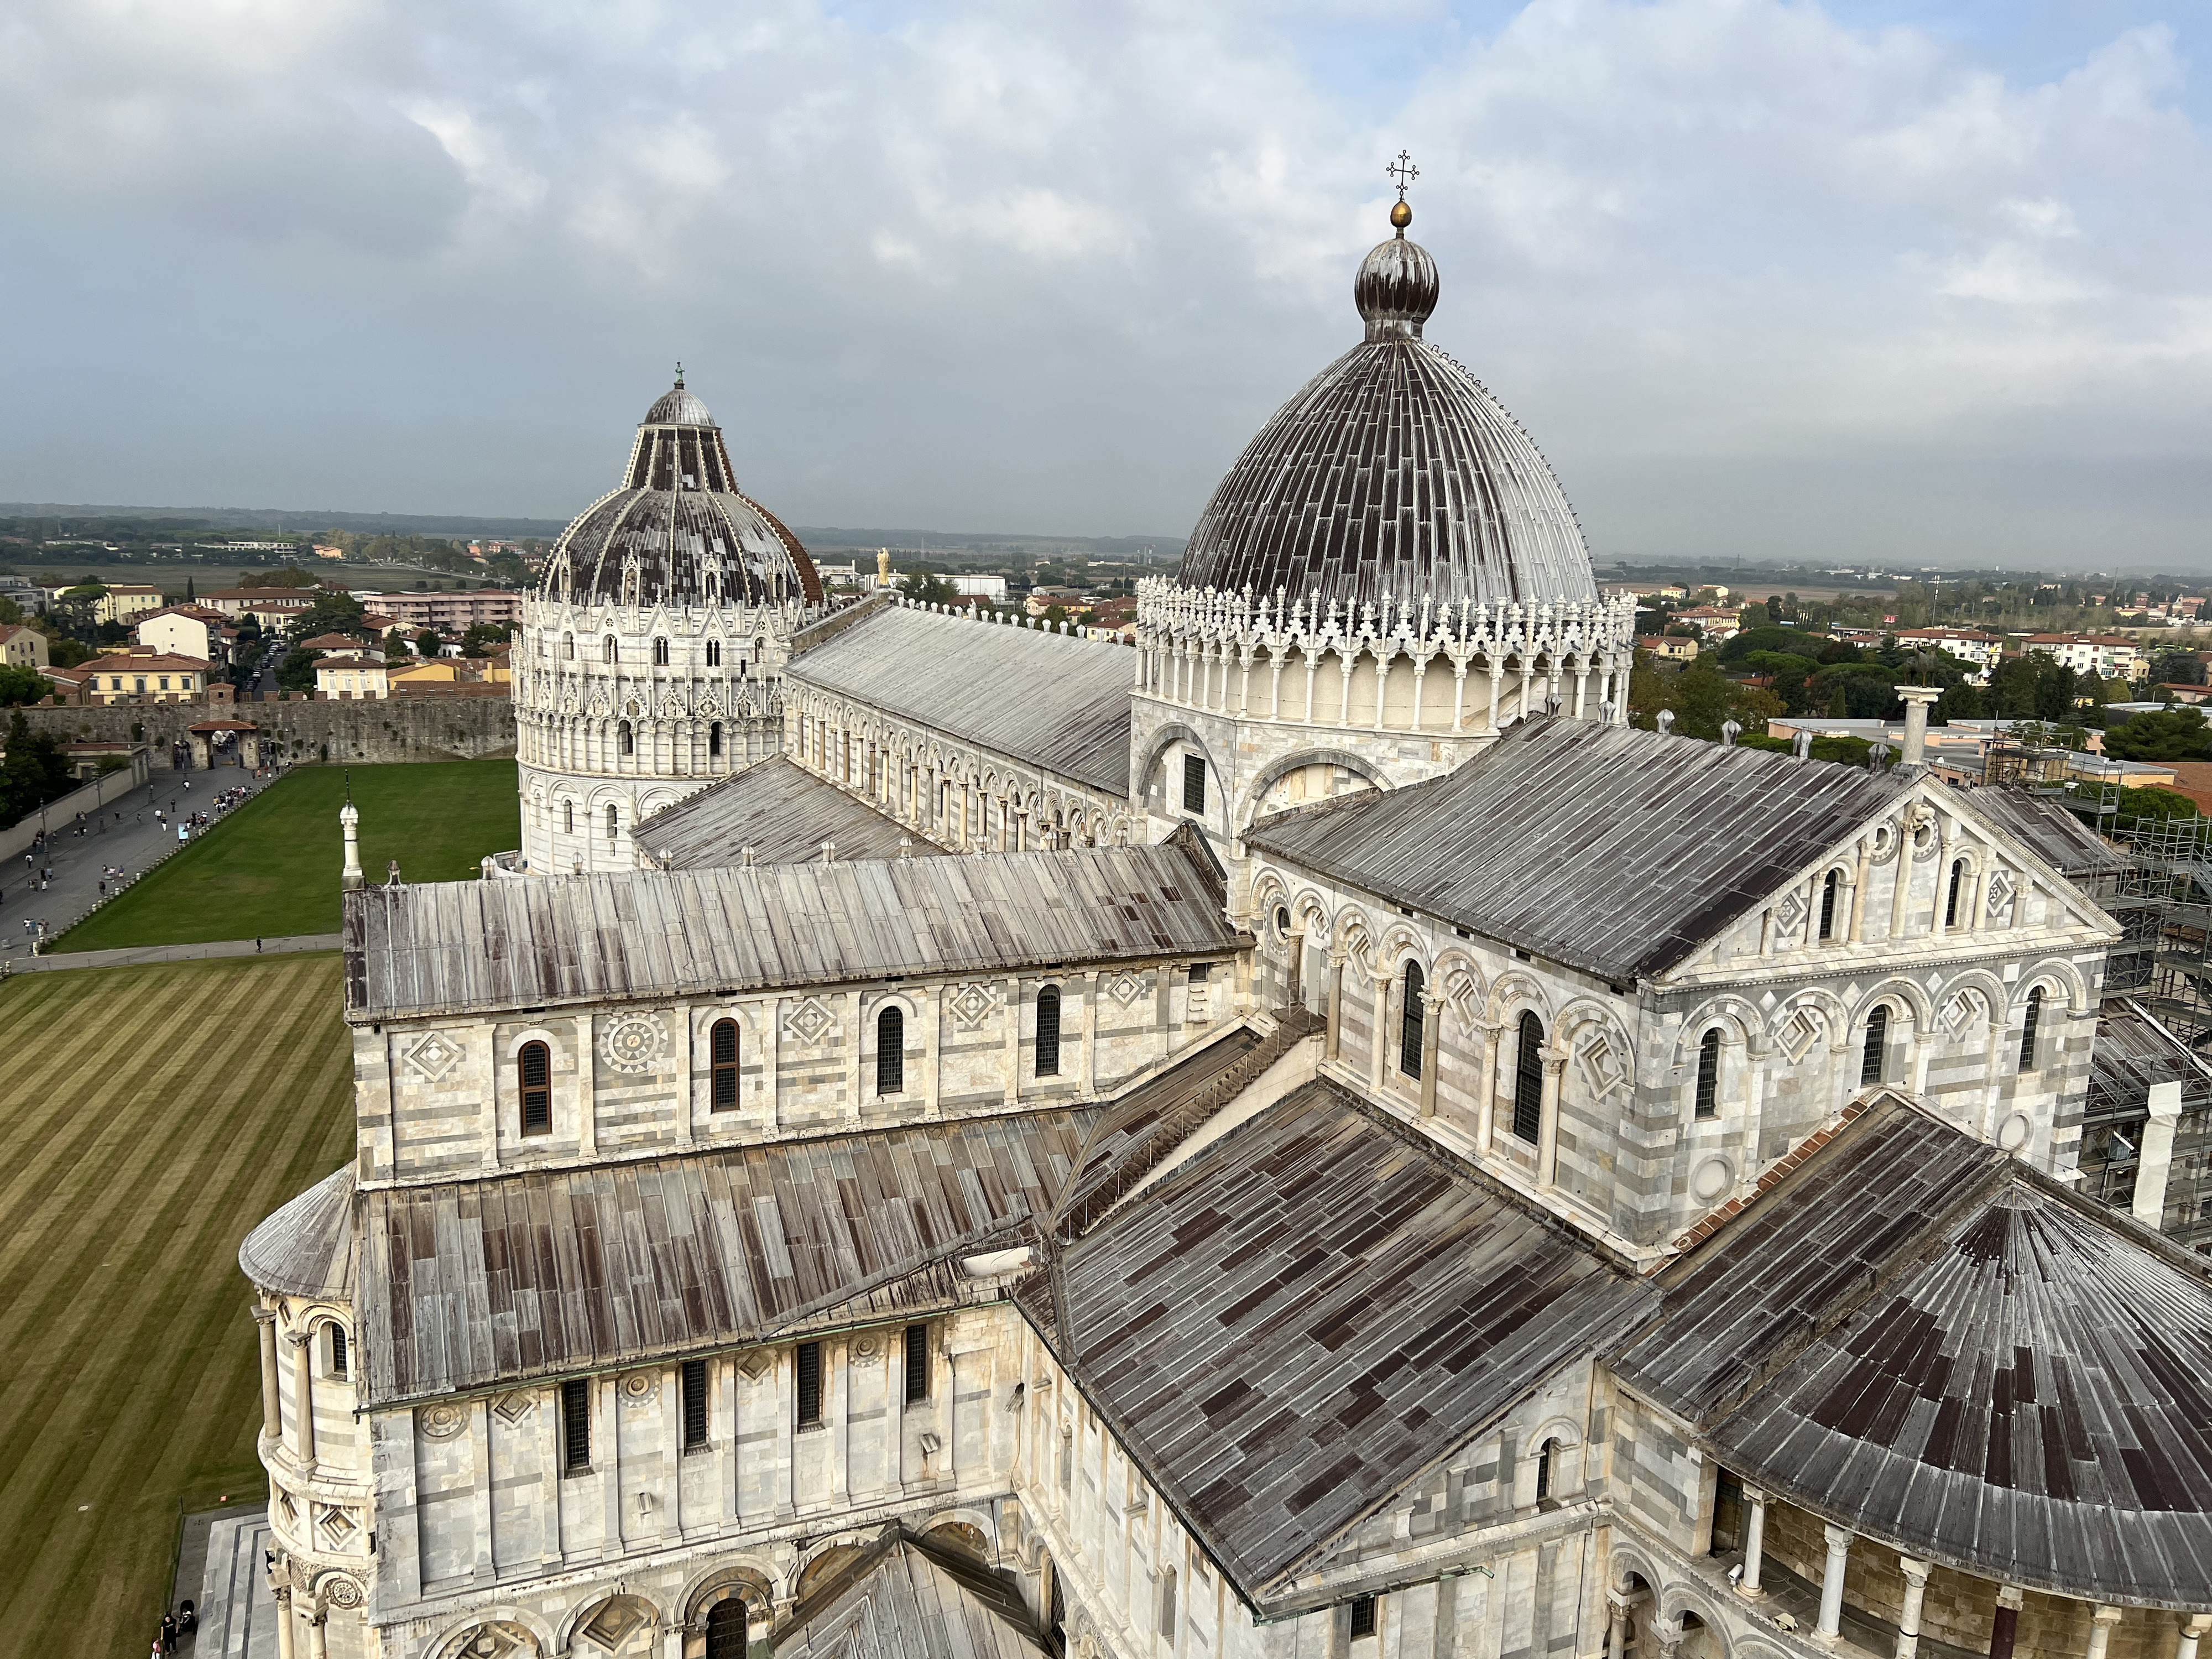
[416, 728]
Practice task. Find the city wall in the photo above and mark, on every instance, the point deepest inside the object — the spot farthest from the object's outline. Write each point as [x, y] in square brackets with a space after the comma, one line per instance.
[414, 728]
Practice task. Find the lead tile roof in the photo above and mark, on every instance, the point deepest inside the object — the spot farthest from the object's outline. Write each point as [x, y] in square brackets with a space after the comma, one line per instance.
[1918, 1337]
[1047, 699]
[1607, 848]
[906, 1598]
[307, 1247]
[779, 809]
[454, 946]
[468, 1283]
[1317, 1308]
[2050, 832]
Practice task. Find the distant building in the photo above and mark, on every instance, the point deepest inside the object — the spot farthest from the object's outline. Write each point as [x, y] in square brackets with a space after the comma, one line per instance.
[272, 607]
[1668, 647]
[449, 613]
[22, 647]
[2108, 656]
[147, 676]
[187, 630]
[358, 677]
[125, 600]
[1966, 644]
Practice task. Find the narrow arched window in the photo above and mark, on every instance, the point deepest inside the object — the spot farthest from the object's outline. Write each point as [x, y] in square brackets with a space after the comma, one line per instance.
[1708, 1074]
[568, 647]
[2027, 1029]
[1167, 1604]
[722, 1059]
[661, 654]
[1547, 1456]
[1410, 1019]
[1951, 899]
[891, 1051]
[568, 818]
[1528, 1080]
[534, 1068]
[714, 653]
[714, 740]
[625, 741]
[611, 649]
[336, 1351]
[1828, 888]
[1047, 1032]
[614, 824]
[1877, 1043]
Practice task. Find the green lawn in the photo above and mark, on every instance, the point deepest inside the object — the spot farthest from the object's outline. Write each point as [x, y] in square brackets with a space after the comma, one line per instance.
[150, 1117]
[272, 868]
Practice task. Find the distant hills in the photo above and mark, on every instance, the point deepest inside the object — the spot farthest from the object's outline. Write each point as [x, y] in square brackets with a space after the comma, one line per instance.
[78, 515]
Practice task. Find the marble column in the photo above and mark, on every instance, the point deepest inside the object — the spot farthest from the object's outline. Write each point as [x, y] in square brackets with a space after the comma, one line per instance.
[317, 1640]
[1547, 1133]
[1831, 1582]
[1754, 1542]
[284, 1633]
[1335, 1039]
[2005, 1625]
[272, 1388]
[303, 1396]
[2191, 1632]
[1916, 1592]
[2100, 1630]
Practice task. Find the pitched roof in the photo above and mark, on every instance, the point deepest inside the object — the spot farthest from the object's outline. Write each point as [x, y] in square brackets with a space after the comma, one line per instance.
[468, 1283]
[1316, 1309]
[908, 1598]
[1920, 1337]
[452, 945]
[779, 809]
[2049, 830]
[1607, 848]
[307, 1247]
[1053, 700]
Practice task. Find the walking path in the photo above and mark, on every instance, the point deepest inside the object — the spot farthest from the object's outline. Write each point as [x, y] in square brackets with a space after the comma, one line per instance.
[132, 955]
[125, 834]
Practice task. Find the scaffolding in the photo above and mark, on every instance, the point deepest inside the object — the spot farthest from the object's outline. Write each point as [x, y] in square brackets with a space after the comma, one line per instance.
[2008, 765]
[2163, 903]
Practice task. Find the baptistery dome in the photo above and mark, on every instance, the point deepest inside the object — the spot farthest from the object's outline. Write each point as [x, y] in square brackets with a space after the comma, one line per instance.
[679, 530]
[1394, 474]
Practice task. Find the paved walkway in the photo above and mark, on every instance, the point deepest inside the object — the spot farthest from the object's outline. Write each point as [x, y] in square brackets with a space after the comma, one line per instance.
[131, 955]
[237, 1613]
[133, 842]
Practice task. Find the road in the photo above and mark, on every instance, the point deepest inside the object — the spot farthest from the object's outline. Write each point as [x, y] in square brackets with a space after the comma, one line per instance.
[125, 834]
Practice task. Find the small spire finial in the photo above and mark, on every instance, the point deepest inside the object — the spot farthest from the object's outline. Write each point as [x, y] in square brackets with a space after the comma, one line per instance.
[1402, 173]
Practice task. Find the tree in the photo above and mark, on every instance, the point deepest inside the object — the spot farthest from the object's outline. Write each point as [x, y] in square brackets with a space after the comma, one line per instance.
[482, 636]
[297, 672]
[395, 645]
[2171, 735]
[928, 590]
[2176, 668]
[289, 576]
[35, 770]
[427, 644]
[333, 612]
[22, 685]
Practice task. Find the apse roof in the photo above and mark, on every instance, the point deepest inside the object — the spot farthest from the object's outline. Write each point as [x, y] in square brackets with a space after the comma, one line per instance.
[1395, 472]
[306, 1248]
[782, 812]
[1920, 1337]
[679, 531]
[1605, 847]
[1058, 702]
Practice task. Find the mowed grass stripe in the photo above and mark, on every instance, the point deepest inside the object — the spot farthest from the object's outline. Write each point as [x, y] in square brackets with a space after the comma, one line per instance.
[134, 1389]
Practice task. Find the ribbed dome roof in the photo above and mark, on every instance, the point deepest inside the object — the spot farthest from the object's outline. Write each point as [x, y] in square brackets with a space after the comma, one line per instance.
[1395, 472]
[679, 530]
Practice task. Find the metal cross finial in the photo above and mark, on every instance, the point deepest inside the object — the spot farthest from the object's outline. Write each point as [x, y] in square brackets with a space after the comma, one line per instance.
[1402, 173]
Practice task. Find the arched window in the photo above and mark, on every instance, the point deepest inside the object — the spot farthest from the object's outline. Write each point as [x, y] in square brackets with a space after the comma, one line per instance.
[1828, 905]
[568, 647]
[534, 1068]
[1708, 1074]
[625, 741]
[611, 649]
[1877, 1043]
[891, 1051]
[725, 1629]
[614, 824]
[714, 653]
[1410, 1019]
[1547, 1457]
[1951, 899]
[334, 1351]
[568, 818]
[1528, 1080]
[714, 741]
[2027, 1029]
[722, 1057]
[659, 653]
[1167, 1604]
[1282, 922]
[1047, 1032]
[756, 653]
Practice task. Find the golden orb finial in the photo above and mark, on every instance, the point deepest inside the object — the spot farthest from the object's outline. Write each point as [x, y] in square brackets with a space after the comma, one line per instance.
[1401, 215]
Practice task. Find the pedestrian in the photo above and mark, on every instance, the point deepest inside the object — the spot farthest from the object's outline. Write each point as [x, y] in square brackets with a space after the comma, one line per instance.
[168, 1633]
[256, 947]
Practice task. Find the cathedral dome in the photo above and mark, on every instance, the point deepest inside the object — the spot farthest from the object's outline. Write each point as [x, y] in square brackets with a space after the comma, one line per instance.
[679, 530]
[1395, 474]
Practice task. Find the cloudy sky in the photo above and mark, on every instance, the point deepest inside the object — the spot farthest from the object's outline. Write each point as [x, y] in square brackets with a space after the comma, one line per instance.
[1910, 279]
